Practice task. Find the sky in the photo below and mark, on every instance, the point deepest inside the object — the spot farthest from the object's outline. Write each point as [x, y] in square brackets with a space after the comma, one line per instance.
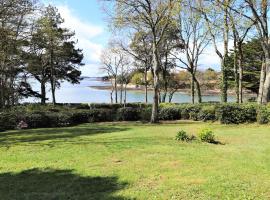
[87, 19]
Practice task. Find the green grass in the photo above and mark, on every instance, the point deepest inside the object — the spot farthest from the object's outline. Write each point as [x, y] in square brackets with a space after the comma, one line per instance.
[135, 161]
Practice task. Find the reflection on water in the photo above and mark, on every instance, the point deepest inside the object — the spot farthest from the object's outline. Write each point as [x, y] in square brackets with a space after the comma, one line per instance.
[83, 93]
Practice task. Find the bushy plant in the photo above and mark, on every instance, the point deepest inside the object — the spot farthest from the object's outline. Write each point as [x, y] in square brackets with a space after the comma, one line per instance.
[170, 113]
[128, 114]
[236, 114]
[182, 136]
[190, 111]
[263, 115]
[207, 113]
[207, 135]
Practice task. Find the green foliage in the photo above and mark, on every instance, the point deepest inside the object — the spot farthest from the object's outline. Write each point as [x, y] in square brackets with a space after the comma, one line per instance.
[207, 135]
[170, 113]
[263, 115]
[236, 114]
[182, 136]
[207, 113]
[128, 114]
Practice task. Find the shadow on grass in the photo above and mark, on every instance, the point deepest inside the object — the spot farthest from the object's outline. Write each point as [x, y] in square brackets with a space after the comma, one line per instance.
[52, 184]
[39, 135]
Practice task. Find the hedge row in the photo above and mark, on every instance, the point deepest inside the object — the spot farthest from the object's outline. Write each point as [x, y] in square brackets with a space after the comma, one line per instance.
[37, 116]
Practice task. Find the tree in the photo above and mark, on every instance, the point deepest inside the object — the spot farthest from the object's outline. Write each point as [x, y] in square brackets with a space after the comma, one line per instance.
[149, 16]
[14, 17]
[114, 61]
[194, 36]
[252, 63]
[216, 15]
[53, 56]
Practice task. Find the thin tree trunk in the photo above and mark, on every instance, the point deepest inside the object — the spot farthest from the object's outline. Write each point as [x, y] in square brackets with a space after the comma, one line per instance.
[121, 94]
[146, 85]
[43, 93]
[116, 90]
[198, 89]
[236, 75]
[125, 97]
[241, 73]
[192, 89]
[154, 116]
[53, 91]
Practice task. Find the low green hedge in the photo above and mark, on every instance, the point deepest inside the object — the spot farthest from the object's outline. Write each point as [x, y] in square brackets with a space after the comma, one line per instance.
[39, 116]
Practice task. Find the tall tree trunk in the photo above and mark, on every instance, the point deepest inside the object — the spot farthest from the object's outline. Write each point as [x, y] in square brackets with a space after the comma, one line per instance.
[121, 93]
[53, 90]
[192, 89]
[116, 89]
[236, 74]
[224, 81]
[241, 73]
[266, 86]
[125, 95]
[262, 79]
[198, 89]
[43, 92]
[154, 116]
[146, 85]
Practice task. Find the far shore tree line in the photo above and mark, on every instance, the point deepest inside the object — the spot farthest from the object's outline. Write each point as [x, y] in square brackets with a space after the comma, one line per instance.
[34, 45]
[162, 36]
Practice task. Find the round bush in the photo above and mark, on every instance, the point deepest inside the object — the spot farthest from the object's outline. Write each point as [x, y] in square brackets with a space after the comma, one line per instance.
[182, 136]
[206, 135]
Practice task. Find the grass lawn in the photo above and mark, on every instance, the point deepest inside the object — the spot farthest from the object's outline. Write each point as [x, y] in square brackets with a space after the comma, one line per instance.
[135, 161]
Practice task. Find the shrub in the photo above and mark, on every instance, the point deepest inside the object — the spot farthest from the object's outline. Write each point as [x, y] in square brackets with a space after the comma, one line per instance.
[128, 114]
[101, 115]
[8, 121]
[145, 114]
[263, 115]
[190, 111]
[207, 113]
[207, 135]
[236, 114]
[170, 113]
[182, 136]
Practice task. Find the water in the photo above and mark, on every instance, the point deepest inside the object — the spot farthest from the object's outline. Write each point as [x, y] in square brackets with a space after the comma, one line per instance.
[83, 93]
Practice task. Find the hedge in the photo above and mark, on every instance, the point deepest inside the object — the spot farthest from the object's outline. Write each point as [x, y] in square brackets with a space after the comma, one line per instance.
[39, 116]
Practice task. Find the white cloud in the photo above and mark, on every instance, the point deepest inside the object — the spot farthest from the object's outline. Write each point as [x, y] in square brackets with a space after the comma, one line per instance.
[86, 33]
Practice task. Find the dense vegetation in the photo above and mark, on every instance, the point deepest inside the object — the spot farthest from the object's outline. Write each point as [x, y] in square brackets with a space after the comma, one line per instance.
[38, 116]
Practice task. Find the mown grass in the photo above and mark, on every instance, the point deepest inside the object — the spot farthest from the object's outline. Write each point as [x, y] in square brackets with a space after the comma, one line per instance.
[135, 161]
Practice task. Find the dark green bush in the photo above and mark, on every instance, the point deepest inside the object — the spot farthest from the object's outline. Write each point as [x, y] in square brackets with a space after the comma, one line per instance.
[182, 136]
[128, 114]
[236, 114]
[207, 113]
[101, 115]
[263, 115]
[190, 111]
[8, 121]
[170, 113]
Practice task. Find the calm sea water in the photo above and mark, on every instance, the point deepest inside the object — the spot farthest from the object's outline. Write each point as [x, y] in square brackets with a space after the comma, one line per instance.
[83, 93]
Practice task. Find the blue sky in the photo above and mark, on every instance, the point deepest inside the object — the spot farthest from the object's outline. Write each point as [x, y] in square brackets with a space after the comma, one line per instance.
[87, 19]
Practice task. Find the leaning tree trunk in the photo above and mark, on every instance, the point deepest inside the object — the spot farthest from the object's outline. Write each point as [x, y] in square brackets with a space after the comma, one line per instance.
[224, 81]
[154, 116]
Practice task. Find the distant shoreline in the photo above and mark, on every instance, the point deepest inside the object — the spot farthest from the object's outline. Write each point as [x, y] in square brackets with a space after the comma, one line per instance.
[185, 91]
